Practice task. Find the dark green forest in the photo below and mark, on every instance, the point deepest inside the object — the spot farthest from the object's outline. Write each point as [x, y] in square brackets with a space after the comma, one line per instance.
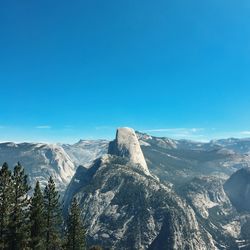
[32, 219]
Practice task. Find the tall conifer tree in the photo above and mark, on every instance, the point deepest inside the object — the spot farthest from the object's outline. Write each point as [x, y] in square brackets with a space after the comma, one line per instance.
[37, 219]
[53, 217]
[19, 217]
[75, 229]
[5, 204]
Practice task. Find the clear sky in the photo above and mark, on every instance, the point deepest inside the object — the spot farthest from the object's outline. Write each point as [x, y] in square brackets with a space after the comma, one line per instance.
[79, 69]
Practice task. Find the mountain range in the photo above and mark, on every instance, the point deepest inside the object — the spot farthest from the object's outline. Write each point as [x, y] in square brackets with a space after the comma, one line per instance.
[144, 192]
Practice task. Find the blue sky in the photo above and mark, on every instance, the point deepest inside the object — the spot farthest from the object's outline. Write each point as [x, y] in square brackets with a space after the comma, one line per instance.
[79, 69]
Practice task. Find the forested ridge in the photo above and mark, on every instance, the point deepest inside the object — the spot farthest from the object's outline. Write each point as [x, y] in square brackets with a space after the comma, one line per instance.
[32, 219]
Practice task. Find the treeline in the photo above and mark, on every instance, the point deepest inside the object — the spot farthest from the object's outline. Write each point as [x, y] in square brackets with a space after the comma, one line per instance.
[35, 222]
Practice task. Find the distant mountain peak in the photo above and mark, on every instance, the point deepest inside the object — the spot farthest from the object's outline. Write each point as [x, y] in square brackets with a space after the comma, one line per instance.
[126, 144]
[40, 161]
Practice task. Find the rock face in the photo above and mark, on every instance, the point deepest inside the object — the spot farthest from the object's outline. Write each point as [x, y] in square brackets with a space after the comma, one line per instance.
[214, 211]
[237, 188]
[40, 161]
[124, 207]
[127, 145]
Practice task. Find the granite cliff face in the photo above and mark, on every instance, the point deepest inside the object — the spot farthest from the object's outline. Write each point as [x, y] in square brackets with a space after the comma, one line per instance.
[40, 161]
[213, 200]
[214, 211]
[124, 207]
[126, 145]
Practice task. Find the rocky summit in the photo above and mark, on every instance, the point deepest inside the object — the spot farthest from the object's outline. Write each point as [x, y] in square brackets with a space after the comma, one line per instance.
[127, 145]
[146, 192]
[124, 207]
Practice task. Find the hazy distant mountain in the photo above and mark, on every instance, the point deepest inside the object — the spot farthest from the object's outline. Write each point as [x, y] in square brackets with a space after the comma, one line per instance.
[171, 160]
[40, 161]
[60, 161]
[177, 161]
[85, 152]
[241, 146]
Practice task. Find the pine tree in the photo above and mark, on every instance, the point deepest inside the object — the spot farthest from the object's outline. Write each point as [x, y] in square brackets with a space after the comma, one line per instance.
[5, 204]
[37, 219]
[19, 218]
[53, 217]
[75, 230]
